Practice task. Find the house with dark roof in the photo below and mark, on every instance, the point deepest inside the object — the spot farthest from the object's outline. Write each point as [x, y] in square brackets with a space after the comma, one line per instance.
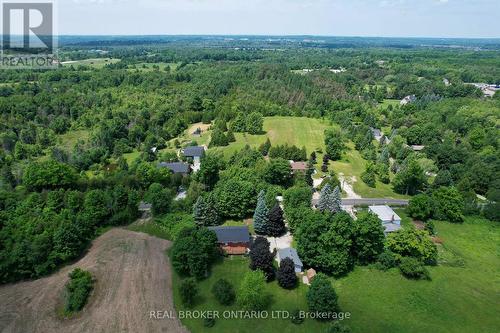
[291, 253]
[232, 240]
[194, 152]
[377, 133]
[176, 167]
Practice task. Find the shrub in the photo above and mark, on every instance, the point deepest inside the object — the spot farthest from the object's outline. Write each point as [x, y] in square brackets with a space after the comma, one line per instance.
[386, 260]
[78, 290]
[420, 207]
[321, 296]
[223, 291]
[448, 204]
[252, 295]
[413, 268]
[338, 327]
[429, 227]
[208, 322]
[368, 176]
[188, 291]
[409, 242]
[296, 318]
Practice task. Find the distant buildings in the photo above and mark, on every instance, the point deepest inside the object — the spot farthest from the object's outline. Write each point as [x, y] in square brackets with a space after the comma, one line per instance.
[408, 99]
[488, 90]
[390, 220]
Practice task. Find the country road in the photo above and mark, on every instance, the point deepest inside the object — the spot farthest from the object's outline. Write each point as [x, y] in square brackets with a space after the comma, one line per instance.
[374, 201]
[369, 202]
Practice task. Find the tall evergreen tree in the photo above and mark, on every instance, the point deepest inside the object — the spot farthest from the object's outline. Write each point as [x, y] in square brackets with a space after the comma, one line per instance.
[309, 173]
[260, 217]
[329, 200]
[204, 211]
[230, 136]
[264, 148]
[199, 209]
[321, 297]
[261, 257]
[323, 197]
[276, 225]
[286, 274]
[335, 202]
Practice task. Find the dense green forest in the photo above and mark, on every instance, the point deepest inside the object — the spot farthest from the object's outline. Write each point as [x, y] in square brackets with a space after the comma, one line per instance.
[65, 134]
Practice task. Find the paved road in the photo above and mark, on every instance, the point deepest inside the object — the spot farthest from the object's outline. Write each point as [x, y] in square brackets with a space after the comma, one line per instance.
[374, 201]
[370, 201]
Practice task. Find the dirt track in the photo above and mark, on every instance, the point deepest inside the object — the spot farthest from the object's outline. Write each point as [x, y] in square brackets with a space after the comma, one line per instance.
[133, 278]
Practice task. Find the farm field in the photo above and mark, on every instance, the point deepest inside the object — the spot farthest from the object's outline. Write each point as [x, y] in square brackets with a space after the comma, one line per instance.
[120, 302]
[94, 63]
[461, 287]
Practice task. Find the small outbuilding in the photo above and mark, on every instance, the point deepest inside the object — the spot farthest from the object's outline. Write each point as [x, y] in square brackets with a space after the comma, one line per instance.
[291, 253]
[232, 240]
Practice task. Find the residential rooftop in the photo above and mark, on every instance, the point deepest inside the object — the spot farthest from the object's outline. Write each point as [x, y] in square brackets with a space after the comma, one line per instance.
[194, 151]
[385, 213]
[291, 253]
[231, 234]
[175, 167]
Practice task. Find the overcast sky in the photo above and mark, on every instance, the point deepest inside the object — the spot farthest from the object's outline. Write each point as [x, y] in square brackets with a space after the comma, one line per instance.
[398, 18]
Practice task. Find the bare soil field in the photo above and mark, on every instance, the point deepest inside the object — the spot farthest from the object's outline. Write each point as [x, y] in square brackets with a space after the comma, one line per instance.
[133, 278]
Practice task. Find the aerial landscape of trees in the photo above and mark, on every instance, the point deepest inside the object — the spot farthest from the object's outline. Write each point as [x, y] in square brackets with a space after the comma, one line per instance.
[82, 149]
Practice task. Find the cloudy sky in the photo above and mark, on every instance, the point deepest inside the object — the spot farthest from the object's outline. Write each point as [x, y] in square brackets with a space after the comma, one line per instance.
[398, 18]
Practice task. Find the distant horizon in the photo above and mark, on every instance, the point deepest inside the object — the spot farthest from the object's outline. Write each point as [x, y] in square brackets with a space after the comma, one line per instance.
[350, 18]
[268, 35]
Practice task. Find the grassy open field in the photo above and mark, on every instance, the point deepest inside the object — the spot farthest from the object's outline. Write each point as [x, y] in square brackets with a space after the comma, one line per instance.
[352, 164]
[69, 139]
[387, 102]
[297, 131]
[94, 63]
[463, 295]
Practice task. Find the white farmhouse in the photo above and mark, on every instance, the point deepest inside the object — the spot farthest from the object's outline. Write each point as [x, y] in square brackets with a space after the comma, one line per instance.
[390, 220]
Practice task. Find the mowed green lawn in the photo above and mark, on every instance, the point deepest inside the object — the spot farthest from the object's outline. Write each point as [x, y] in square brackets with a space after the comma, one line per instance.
[463, 295]
[352, 164]
[298, 131]
[233, 269]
